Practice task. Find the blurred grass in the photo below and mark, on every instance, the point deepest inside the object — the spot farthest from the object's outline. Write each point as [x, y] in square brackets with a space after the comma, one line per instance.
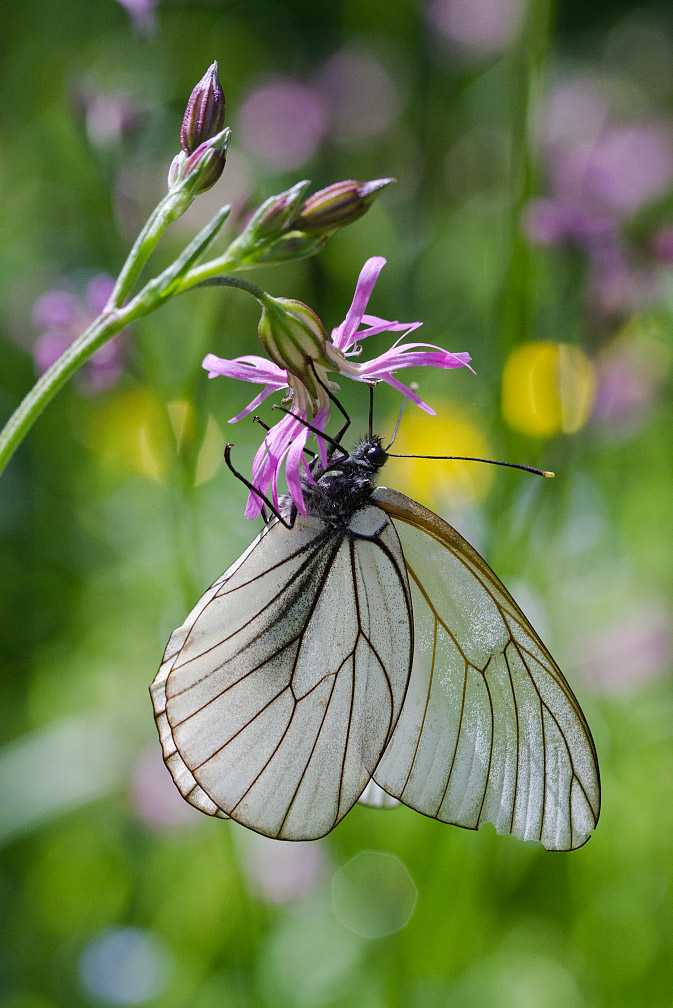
[105, 542]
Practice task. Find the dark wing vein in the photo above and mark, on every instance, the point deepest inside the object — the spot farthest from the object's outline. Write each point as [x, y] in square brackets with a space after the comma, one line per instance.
[507, 680]
[490, 748]
[518, 740]
[546, 707]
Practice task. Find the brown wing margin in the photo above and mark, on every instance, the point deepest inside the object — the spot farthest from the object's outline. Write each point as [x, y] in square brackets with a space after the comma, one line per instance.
[491, 730]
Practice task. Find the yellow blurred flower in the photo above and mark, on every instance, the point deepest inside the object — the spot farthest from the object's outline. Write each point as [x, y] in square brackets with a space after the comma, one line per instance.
[132, 434]
[211, 453]
[547, 388]
[127, 433]
[433, 483]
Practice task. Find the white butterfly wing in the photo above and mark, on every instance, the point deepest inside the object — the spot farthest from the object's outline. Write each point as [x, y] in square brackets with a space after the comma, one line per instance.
[490, 730]
[278, 694]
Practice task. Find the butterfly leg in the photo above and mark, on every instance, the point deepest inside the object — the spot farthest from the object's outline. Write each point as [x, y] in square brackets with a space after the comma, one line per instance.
[271, 506]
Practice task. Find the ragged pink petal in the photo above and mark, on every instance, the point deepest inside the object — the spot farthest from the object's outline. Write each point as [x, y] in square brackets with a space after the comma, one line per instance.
[342, 336]
[247, 368]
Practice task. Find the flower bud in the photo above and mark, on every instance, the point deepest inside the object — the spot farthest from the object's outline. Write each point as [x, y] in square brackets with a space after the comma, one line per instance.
[199, 171]
[278, 212]
[293, 336]
[340, 203]
[204, 115]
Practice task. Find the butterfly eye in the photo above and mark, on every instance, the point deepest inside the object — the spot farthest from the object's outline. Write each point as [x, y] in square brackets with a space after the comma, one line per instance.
[376, 455]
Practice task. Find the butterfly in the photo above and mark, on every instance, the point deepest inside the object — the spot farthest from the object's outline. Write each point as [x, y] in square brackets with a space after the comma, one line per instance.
[365, 651]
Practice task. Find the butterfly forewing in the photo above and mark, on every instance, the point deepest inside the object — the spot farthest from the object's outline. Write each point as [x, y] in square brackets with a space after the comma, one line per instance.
[490, 731]
[281, 689]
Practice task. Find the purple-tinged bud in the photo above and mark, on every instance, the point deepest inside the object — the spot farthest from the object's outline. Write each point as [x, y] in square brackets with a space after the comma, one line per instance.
[204, 115]
[292, 335]
[199, 171]
[339, 204]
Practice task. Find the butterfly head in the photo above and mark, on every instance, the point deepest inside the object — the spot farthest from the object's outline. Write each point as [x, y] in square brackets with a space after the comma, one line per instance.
[368, 455]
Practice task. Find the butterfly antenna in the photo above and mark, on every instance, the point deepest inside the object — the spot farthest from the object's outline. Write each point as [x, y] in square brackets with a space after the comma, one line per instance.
[413, 387]
[469, 458]
[371, 410]
[266, 427]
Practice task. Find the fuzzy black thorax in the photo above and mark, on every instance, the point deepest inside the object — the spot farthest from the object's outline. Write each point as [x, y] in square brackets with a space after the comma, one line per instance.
[347, 482]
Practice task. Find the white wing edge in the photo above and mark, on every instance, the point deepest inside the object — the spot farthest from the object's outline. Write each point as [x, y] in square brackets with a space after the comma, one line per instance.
[180, 772]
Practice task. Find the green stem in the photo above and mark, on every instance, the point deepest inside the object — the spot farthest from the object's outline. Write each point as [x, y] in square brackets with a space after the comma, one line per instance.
[206, 271]
[144, 246]
[529, 60]
[115, 317]
[227, 281]
[104, 328]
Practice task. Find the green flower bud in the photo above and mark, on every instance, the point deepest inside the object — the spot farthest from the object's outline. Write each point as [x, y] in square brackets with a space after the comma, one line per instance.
[278, 212]
[204, 115]
[292, 336]
[339, 204]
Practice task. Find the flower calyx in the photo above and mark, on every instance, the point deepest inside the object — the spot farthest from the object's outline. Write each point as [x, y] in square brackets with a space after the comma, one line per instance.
[294, 338]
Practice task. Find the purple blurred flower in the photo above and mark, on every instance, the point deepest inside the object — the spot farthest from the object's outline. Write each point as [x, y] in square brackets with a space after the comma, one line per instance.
[555, 222]
[62, 318]
[626, 167]
[487, 26]
[156, 800]
[630, 372]
[285, 441]
[631, 652]
[108, 118]
[662, 245]
[142, 14]
[282, 872]
[359, 95]
[282, 122]
[602, 171]
[598, 185]
[56, 309]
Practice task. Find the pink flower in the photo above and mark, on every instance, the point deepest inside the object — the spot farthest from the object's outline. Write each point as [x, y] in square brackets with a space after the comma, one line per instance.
[345, 341]
[286, 441]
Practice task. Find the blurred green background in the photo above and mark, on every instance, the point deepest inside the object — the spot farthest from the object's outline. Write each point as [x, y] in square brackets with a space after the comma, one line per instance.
[531, 225]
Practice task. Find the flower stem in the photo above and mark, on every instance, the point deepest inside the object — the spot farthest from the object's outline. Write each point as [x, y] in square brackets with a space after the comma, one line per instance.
[144, 246]
[116, 315]
[226, 281]
[106, 325]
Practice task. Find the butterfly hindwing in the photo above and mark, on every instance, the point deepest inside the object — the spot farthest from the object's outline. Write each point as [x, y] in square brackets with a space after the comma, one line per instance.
[281, 689]
[490, 730]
